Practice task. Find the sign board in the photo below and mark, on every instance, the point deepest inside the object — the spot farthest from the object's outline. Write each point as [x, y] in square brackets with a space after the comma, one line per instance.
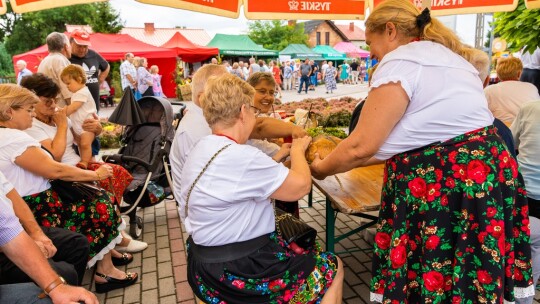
[530, 4]
[455, 7]
[305, 9]
[225, 8]
[24, 6]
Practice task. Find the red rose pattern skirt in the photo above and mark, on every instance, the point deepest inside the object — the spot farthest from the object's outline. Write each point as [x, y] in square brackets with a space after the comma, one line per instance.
[96, 219]
[272, 274]
[118, 183]
[453, 225]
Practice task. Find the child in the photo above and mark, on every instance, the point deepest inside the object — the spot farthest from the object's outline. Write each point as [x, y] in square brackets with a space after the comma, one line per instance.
[156, 79]
[82, 106]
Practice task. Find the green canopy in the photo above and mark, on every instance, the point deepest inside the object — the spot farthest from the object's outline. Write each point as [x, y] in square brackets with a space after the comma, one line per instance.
[239, 45]
[329, 53]
[300, 51]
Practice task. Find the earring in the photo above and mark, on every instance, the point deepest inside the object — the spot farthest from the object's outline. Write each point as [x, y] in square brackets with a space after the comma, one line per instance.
[11, 117]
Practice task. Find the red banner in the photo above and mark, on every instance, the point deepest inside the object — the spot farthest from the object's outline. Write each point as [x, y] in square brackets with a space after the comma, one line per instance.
[454, 7]
[308, 9]
[24, 6]
[226, 8]
[530, 4]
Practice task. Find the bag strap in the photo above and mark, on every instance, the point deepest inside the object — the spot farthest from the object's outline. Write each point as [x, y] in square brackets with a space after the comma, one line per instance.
[200, 174]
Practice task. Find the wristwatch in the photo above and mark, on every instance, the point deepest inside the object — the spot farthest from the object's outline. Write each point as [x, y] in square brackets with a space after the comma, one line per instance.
[57, 282]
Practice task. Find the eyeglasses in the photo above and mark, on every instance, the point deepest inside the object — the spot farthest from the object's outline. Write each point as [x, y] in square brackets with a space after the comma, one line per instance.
[48, 100]
[265, 92]
[256, 110]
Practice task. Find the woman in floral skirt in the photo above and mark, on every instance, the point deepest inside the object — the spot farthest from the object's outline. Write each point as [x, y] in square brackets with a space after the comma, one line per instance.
[234, 253]
[453, 225]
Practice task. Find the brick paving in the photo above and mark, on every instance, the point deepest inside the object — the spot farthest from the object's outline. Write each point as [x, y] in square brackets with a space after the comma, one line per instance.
[162, 266]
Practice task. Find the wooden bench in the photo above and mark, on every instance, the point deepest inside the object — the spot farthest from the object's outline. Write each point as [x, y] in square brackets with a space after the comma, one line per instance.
[354, 193]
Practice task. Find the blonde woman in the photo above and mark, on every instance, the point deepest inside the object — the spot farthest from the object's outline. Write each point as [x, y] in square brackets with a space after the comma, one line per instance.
[144, 78]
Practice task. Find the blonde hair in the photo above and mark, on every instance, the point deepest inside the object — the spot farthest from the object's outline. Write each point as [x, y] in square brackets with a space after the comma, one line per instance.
[74, 72]
[509, 68]
[480, 60]
[223, 98]
[201, 76]
[138, 61]
[14, 97]
[259, 77]
[403, 15]
[153, 69]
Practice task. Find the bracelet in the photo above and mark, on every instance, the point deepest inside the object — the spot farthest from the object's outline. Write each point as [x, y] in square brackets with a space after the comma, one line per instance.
[98, 177]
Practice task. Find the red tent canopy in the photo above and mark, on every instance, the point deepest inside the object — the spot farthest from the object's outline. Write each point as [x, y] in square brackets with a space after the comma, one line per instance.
[113, 47]
[188, 51]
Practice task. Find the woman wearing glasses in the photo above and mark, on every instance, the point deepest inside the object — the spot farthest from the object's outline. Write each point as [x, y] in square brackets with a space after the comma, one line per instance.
[234, 254]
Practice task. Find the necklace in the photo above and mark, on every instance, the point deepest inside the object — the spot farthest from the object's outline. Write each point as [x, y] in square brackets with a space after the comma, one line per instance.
[47, 123]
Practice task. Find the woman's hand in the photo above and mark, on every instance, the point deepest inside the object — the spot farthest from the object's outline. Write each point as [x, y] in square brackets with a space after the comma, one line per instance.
[44, 243]
[60, 117]
[298, 132]
[301, 143]
[283, 152]
[314, 167]
[104, 172]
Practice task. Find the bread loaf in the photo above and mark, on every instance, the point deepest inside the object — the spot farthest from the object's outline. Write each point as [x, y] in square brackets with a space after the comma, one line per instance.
[322, 144]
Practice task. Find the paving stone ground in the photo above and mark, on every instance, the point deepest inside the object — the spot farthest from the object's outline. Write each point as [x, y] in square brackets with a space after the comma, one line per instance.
[162, 266]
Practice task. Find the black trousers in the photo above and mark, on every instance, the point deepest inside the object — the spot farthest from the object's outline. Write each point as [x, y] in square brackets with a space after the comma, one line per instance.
[69, 261]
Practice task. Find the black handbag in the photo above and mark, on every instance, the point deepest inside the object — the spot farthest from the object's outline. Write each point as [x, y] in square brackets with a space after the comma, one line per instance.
[75, 191]
[294, 230]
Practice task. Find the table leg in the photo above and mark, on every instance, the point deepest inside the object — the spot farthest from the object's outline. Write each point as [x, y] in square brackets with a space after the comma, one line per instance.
[330, 226]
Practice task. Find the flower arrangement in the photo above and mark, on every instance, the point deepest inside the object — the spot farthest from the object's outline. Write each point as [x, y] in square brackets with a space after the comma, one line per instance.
[111, 135]
[183, 85]
[329, 113]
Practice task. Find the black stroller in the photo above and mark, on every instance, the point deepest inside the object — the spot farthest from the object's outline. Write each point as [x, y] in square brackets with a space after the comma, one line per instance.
[144, 154]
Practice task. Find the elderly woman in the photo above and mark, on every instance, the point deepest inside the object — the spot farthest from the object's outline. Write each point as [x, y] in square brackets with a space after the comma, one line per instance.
[51, 128]
[234, 254]
[453, 224]
[29, 167]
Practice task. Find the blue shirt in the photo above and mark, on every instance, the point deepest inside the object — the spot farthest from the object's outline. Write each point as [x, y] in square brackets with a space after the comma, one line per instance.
[25, 72]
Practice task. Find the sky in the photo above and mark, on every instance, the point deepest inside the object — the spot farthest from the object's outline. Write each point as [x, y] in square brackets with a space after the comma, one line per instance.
[135, 14]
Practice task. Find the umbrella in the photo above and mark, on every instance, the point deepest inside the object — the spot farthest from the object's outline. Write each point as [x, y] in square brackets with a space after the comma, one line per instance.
[443, 8]
[128, 112]
[278, 9]
[24, 6]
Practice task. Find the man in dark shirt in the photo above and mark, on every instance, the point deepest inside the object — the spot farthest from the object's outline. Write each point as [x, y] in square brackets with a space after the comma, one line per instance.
[313, 75]
[94, 65]
[305, 71]
[354, 71]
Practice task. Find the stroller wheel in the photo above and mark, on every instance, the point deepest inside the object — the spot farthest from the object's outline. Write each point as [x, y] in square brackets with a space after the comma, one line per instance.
[136, 229]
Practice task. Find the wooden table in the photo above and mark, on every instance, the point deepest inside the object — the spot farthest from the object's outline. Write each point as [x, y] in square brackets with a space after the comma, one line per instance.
[354, 192]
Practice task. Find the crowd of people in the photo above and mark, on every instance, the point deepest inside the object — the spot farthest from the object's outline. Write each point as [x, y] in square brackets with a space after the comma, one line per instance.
[459, 219]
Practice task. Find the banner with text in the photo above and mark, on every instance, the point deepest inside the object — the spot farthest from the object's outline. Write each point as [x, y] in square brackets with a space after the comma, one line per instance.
[530, 4]
[24, 6]
[305, 9]
[454, 7]
[225, 8]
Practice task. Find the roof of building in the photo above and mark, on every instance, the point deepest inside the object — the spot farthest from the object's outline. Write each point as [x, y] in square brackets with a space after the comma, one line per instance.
[161, 35]
[310, 26]
[357, 34]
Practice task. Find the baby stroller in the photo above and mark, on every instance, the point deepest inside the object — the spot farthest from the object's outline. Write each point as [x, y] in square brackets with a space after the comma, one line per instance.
[144, 154]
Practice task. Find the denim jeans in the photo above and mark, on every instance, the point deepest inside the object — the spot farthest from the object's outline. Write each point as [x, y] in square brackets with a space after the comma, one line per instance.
[22, 293]
[303, 80]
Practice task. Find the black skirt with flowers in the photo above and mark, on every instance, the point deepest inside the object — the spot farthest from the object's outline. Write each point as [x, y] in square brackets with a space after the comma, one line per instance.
[453, 225]
[270, 274]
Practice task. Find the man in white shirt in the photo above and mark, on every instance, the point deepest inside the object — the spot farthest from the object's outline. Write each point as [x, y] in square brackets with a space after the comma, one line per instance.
[506, 97]
[23, 71]
[52, 65]
[128, 74]
[531, 67]
[193, 125]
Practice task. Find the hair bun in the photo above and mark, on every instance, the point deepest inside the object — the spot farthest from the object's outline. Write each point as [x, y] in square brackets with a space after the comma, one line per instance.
[423, 19]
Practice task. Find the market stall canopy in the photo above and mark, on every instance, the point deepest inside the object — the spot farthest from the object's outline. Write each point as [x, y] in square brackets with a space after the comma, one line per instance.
[351, 50]
[329, 53]
[300, 51]
[24, 6]
[530, 4]
[443, 8]
[187, 51]
[239, 45]
[277, 9]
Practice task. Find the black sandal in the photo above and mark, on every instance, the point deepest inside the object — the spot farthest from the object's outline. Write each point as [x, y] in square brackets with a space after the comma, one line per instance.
[121, 261]
[113, 283]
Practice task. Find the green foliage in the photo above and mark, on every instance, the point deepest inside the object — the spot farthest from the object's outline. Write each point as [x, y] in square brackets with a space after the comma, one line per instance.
[276, 34]
[334, 131]
[28, 31]
[519, 28]
[6, 65]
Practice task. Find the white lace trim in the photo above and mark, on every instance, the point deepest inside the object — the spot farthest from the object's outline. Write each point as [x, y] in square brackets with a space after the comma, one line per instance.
[107, 248]
[520, 292]
[375, 297]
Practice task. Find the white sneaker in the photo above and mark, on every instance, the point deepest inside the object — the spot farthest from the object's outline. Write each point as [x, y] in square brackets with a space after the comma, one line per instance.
[132, 247]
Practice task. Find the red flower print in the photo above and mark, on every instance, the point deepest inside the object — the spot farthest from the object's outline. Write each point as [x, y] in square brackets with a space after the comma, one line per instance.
[275, 285]
[450, 183]
[383, 240]
[411, 275]
[287, 296]
[45, 223]
[418, 187]
[518, 275]
[459, 171]
[398, 256]
[433, 191]
[525, 211]
[444, 200]
[456, 300]
[432, 242]
[495, 228]
[433, 280]
[484, 277]
[482, 236]
[90, 238]
[494, 151]
[80, 209]
[491, 211]
[438, 174]
[452, 157]
[477, 170]
[504, 160]
[101, 208]
[238, 284]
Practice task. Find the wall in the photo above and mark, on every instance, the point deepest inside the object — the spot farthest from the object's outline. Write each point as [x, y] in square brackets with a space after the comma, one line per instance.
[323, 28]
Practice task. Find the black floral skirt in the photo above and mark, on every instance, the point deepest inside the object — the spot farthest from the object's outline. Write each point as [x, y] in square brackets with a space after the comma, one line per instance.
[270, 274]
[453, 225]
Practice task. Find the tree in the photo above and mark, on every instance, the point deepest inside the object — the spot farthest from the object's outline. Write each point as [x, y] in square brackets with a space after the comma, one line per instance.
[24, 32]
[276, 34]
[518, 28]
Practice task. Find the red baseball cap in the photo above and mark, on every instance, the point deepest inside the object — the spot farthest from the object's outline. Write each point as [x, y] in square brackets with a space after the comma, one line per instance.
[81, 37]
